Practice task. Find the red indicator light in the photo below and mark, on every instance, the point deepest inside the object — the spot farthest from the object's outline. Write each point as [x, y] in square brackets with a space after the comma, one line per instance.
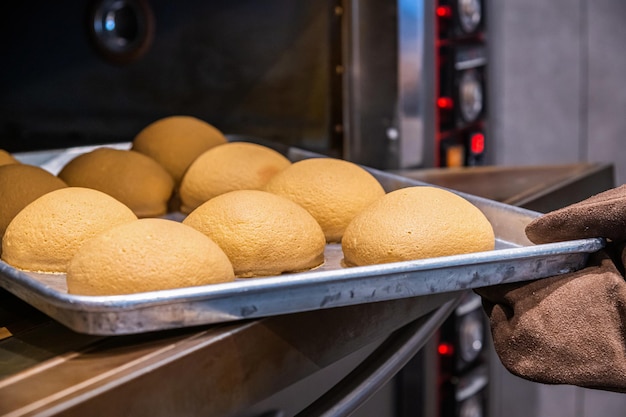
[477, 143]
[444, 11]
[445, 103]
[445, 349]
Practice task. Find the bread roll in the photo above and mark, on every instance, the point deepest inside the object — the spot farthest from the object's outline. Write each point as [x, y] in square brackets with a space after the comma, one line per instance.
[20, 185]
[262, 233]
[6, 158]
[146, 255]
[228, 167]
[332, 190]
[416, 223]
[136, 180]
[176, 141]
[45, 235]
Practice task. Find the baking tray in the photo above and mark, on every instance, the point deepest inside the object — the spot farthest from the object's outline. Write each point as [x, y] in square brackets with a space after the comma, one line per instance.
[514, 259]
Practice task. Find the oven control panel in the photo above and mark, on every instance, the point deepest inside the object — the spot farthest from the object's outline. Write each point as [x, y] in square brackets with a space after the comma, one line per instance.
[462, 73]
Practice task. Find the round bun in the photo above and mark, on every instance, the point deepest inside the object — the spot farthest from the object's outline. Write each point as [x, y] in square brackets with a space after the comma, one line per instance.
[176, 141]
[6, 158]
[229, 167]
[45, 235]
[416, 223]
[136, 180]
[332, 190]
[146, 255]
[262, 233]
[20, 185]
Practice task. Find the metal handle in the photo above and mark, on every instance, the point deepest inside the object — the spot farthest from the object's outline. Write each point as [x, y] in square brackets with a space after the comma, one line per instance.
[379, 367]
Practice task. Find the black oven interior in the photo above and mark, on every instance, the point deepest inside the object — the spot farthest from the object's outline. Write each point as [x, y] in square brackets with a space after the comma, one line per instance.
[80, 72]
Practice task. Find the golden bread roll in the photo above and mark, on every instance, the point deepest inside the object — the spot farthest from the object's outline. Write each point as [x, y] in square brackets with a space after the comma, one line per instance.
[146, 255]
[6, 158]
[176, 141]
[332, 190]
[134, 179]
[261, 233]
[228, 167]
[416, 223]
[20, 185]
[45, 235]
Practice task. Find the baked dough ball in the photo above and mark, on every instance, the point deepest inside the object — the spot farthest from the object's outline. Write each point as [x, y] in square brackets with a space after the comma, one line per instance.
[6, 158]
[175, 142]
[146, 255]
[262, 233]
[45, 235]
[416, 223]
[228, 167]
[20, 185]
[332, 190]
[135, 179]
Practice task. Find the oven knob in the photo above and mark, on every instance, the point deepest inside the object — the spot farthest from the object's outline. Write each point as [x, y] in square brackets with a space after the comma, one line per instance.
[121, 30]
[471, 99]
[471, 336]
[472, 407]
[470, 15]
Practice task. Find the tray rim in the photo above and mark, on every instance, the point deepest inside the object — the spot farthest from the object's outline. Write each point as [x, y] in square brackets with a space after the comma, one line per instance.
[288, 281]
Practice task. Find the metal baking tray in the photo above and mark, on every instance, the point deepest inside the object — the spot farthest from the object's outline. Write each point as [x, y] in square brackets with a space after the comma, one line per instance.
[514, 259]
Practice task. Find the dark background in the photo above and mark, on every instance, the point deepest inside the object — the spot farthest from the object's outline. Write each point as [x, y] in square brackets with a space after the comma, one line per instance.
[257, 68]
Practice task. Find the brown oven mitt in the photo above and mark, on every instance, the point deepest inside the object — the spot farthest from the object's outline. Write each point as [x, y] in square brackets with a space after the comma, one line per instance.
[568, 329]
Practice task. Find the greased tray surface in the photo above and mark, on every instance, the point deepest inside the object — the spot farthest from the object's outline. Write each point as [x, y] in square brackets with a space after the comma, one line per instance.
[514, 259]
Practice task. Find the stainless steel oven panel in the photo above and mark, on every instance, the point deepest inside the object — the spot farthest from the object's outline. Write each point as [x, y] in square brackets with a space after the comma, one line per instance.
[389, 83]
[416, 75]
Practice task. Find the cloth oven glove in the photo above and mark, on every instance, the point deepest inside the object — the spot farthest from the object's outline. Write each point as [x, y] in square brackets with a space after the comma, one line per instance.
[568, 329]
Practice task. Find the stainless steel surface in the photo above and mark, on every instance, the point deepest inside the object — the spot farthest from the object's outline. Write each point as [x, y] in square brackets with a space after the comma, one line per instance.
[540, 188]
[331, 285]
[378, 369]
[389, 83]
[217, 370]
[416, 89]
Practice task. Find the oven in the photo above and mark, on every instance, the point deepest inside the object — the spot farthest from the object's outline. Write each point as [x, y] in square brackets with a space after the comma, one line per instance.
[388, 84]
